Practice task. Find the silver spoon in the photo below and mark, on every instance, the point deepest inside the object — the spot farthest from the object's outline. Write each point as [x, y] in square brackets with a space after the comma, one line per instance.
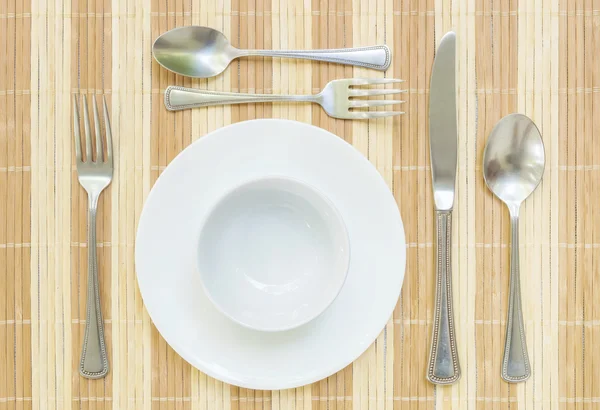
[201, 52]
[513, 165]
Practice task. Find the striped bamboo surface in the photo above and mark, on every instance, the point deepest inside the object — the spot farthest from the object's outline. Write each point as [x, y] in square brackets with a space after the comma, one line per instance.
[537, 57]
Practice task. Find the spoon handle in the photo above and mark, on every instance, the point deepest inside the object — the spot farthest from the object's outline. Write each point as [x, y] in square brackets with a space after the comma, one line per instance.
[444, 367]
[515, 365]
[375, 57]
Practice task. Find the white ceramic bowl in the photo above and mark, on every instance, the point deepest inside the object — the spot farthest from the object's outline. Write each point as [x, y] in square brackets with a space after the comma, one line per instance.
[273, 254]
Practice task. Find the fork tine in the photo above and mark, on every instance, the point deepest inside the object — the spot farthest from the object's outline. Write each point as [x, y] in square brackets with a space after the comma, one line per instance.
[367, 93]
[109, 152]
[373, 103]
[99, 149]
[375, 114]
[88, 132]
[76, 130]
[366, 81]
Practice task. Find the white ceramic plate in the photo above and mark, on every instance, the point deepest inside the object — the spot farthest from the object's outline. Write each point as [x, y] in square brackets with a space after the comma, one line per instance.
[166, 254]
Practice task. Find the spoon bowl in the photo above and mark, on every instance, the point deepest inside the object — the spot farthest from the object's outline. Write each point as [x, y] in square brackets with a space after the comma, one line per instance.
[513, 165]
[194, 51]
[513, 160]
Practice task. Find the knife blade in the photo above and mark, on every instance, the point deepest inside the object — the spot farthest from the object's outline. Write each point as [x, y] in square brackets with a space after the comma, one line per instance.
[442, 123]
[444, 366]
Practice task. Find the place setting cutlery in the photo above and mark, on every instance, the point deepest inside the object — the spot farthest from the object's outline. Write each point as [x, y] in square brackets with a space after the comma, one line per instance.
[339, 98]
[202, 52]
[444, 366]
[513, 165]
[94, 172]
[267, 244]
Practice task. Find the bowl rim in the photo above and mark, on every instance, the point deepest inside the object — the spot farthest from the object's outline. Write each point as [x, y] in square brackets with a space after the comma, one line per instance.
[344, 234]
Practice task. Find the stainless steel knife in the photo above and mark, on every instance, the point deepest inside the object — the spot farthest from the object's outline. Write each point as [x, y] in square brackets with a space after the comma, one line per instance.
[444, 367]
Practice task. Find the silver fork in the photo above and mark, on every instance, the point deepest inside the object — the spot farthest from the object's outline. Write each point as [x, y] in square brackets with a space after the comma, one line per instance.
[94, 176]
[338, 98]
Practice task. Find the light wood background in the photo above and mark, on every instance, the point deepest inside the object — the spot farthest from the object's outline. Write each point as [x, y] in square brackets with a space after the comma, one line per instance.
[537, 57]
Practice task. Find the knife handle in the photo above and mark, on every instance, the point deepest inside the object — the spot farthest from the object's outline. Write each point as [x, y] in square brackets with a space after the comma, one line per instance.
[444, 367]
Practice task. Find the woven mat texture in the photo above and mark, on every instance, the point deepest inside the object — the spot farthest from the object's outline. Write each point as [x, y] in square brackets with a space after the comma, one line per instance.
[537, 57]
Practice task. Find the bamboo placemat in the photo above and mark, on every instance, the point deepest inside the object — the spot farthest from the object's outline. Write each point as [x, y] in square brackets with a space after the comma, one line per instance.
[537, 57]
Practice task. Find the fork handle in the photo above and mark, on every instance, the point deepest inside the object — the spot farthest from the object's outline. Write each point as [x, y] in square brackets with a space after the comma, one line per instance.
[444, 367]
[94, 360]
[181, 98]
[375, 57]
